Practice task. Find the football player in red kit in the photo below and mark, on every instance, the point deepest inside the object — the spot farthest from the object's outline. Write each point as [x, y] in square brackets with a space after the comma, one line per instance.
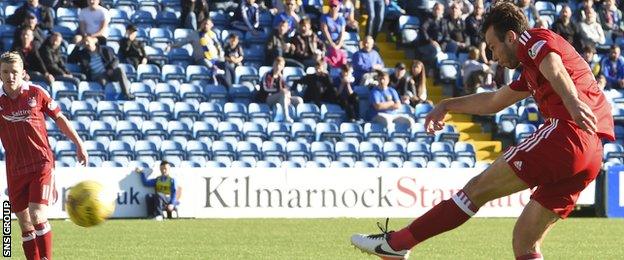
[559, 160]
[29, 159]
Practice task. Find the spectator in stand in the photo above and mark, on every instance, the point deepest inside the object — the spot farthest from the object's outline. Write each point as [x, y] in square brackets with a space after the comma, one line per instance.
[29, 50]
[611, 19]
[277, 6]
[43, 14]
[274, 89]
[566, 28]
[432, 36]
[99, 63]
[247, 17]
[529, 10]
[588, 55]
[165, 194]
[366, 61]
[474, 72]
[347, 98]
[347, 9]
[473, 27]
[333, 29]
[384, 102]
[541, 24]
[458, 40]
[319, 86]
[581, 11]
[376, 13]
[393, 13]
[290, 16]
[308, 47]
[465, 6]
[613, 68]
[207, 51]
[412, 90]
[52, 58]
[591, 31]
[193, 11]
[94, 21]
[233, 52]
[279, 46]
[132, 50]
[30, 23]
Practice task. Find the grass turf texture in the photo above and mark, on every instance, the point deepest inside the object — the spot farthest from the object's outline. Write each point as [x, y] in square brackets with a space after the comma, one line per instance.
[576, 238]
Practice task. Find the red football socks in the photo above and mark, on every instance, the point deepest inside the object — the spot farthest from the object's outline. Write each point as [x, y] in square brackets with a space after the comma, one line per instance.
[44, 240]
[443, 217]
[531, 256]
[29, 245]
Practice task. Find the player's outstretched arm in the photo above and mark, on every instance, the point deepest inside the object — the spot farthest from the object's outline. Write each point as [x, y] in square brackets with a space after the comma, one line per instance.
[554, 71]
[70, 132]
[477, 104]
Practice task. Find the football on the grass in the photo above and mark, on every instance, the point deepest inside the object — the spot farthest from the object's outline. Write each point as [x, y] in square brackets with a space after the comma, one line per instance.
[89, 204]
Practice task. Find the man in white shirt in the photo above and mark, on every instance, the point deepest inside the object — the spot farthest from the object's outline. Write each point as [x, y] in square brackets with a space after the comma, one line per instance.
[94, 21]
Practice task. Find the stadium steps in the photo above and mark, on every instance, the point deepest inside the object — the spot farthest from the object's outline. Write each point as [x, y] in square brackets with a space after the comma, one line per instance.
[486, 148]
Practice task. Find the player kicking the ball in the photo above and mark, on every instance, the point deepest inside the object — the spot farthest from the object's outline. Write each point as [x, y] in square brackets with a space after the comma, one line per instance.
[29, 159]
[560, 159]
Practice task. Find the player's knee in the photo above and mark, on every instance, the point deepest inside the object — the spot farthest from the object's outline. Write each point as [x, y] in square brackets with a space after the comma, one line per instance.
[37, 215]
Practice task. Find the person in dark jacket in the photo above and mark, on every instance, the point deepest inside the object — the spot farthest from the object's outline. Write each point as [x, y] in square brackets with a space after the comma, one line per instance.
[308, 46]
[99, 63]
[43, 13]
[565, 27]
[279, 46]
[31, 23]
[50, 53]
[32, 61]
[319, 86]
[131, 49]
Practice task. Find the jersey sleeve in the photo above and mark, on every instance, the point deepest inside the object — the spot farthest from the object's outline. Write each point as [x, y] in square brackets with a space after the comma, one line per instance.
[535, 45]
[49, 106]
[519, 84]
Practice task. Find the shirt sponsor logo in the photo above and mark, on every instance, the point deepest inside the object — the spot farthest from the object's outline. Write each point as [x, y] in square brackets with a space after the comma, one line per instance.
[537, 46]
[52, 105]
[518, 165]
[18, 116]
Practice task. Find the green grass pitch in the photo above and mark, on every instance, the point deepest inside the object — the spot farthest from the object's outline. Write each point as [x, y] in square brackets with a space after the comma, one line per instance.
[575, 238]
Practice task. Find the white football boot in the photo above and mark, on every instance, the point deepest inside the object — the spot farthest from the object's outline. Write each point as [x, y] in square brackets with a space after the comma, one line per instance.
[377, 244]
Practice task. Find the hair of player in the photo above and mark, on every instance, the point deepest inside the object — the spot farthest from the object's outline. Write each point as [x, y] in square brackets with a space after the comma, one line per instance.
[11, 57]
[165, 162]
[504, 16]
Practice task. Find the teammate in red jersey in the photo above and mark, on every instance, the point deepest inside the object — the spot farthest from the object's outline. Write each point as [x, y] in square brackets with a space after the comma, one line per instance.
[559, 160]
[29, 159]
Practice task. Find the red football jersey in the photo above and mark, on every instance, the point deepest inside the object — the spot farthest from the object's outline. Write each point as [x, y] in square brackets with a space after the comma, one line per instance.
[23, 130]
[534, 44]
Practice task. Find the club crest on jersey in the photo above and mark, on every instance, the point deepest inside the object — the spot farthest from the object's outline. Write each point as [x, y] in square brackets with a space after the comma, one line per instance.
[52, 105]
[537, 46]
[32, 102]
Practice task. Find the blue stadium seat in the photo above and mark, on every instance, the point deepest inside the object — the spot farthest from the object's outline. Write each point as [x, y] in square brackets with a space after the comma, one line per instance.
[146, 150]
[142, 90]
[374, 131]
[308, 112]
[400, 132]
[134, 109]
[229, 131]
[95, 149]
[173, 72]
[388, 164]
[166, 91]
[420, 134]
[442, 150]
[408, 26]
[506, 120]
[297, 151]
[449, 71]
[90, 90]
[214, 164]
[179, 56]
[204, 131]
[252, 130]
[328, 132]
[246, 73]
[290, 164]
[315, 164]
[171, 148]
[421, 110]
[192, 92]
[82, 109]
[265, 164]
[278, 131]
[418, 150]
[156, 55]
[179, 131]
[260, 113]
[242, 93]
[109, 109]
[332, 113]
[458, 164]
[81, 129]
[131, 73]
[465, 150]
[351, 132]
[106, 164]
[183, 110]
[370, 152]
[198, 72]
[197, 151]
[126, 130]
[153, 131]
[613, 151]
[142, 18]
[67, 33]
[292, 73]
[211, 110]
[346, 152]
[66, 14]
[411, 164]
[339, 164]
[159, 110]
[394, 152]
[189, 164]
[435, 165]
[322, 151]
[148, 71]
[248, 151]
[167, 19]
[65, 148]
[216, 93]
[100, 130]
[120, 149]
[223, 151]
[61, 89]
[241, 164]
[524, 131]
[363, 164]
[235, 110]
[301, 131]
[272, 151]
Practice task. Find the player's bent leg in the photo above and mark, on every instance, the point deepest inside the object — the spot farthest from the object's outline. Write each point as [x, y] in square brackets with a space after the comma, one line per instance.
[29, 244]
[530, 230]
[43, 230]
[497, 181]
